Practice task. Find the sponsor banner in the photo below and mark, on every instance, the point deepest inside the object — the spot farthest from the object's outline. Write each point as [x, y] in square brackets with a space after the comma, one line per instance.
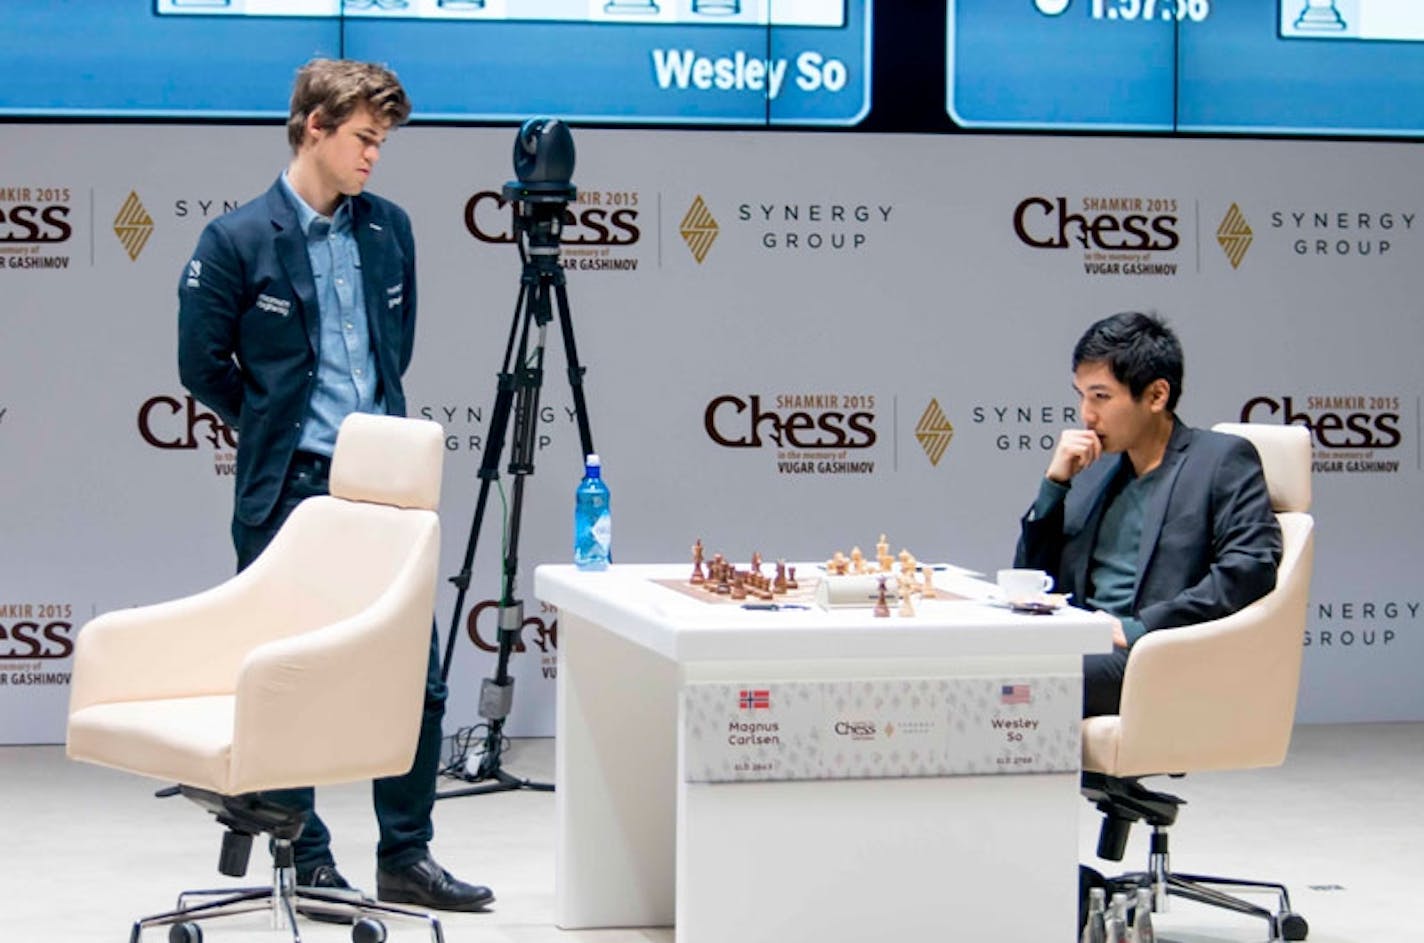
[1361, 626]
[36, 227]
[820, 434]
[602, 229]
[773, 731]
[768, 225]
[175, 422]
[1342, 234]
[36, 659]
[1114, 236]
[791, 342]
[1351, 433]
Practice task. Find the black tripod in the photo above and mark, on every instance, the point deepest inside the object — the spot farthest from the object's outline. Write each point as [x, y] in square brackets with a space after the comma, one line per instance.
[538, 221]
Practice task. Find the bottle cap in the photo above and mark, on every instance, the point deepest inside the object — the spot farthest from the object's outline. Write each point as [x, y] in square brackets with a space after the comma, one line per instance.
[592, 465]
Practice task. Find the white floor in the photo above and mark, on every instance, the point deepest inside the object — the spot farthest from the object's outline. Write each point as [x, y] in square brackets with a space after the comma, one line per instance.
[83, 851]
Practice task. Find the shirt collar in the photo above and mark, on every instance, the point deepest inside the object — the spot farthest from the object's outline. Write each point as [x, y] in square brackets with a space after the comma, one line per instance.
[340, 221]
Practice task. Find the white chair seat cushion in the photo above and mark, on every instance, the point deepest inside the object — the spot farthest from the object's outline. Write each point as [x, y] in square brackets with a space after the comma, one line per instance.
[186, 740]
[1101, 738]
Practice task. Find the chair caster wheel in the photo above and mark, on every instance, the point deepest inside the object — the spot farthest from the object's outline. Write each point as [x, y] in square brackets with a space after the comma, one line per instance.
[1293, 927]
[368, 930]
[185, 933]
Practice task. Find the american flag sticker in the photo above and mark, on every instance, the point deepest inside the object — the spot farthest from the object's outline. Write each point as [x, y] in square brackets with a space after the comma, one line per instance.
[755, 700]
[1015, 694]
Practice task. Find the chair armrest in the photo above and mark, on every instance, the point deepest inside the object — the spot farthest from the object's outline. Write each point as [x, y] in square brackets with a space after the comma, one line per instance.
[1220, 694]
[185, 647]
[296, 696]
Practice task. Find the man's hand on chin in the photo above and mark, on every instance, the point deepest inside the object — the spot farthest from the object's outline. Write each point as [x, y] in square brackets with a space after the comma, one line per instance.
[1077, 449]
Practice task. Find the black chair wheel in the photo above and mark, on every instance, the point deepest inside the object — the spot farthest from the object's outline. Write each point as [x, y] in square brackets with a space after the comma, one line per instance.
[368, 930]
[185, 933]
[1293, 926]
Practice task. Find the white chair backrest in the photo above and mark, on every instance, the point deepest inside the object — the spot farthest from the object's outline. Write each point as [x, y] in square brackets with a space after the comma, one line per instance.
[388, 460]
[1285, 459]
[1222, 694]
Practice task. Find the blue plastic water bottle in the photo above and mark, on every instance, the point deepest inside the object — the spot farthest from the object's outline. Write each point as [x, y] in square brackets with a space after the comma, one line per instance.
[593, 523]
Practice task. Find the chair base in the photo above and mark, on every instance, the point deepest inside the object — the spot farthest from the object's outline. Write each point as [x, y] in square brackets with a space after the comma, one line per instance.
[246, 816]
[283, 901]
[1284, 923]
[1124, 801]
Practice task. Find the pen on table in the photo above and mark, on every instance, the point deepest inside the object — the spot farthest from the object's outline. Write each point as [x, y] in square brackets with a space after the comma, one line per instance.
[772, 606]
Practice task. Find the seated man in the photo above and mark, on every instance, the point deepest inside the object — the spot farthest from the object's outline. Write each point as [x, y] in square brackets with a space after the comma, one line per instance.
[1177, 529]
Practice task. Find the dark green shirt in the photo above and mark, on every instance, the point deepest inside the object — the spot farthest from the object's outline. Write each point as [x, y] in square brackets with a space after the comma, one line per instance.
[1113, 567]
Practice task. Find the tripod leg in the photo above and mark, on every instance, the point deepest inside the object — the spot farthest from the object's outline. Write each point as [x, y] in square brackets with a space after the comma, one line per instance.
[488, 473]
[576, 370]
[519, 390]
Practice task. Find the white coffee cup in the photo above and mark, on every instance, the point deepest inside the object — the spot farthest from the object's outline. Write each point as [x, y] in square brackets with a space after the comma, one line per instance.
[1020, 585]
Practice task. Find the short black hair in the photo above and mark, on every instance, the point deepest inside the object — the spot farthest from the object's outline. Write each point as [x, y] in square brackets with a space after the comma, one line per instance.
[1138, 348]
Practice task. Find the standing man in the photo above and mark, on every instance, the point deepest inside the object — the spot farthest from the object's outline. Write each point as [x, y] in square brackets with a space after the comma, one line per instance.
[297, 309]
[1176, 528]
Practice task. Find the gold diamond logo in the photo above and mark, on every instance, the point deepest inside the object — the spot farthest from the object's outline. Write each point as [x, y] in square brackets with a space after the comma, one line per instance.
[934, 432]
[133, 226]
[1234, 235]
[699, 230]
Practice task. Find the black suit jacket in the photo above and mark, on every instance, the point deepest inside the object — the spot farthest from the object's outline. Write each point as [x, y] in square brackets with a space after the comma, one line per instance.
[1210, 542]
[248, 327]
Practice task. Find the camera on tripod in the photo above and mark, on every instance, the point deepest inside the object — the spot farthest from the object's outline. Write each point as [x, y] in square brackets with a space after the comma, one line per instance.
[544, 164]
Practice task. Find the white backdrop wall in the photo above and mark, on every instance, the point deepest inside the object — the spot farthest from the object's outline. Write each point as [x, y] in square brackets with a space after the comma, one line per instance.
[768, 320]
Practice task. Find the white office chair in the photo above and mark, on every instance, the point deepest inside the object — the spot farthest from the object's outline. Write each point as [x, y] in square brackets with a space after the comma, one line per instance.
[305, 669]
[1214, 696]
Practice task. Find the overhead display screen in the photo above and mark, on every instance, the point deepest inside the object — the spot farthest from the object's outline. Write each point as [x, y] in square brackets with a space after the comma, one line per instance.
[1246, 66]
[743, 62]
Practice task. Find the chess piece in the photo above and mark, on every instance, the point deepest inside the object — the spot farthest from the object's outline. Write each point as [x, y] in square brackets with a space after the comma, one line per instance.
[882, 605]
[928, 591]
[907, 562]
[739, 586]
[882, 554]
[756, 561]
[697, 575]
[724, 585]
[907, 584]
[779, 586]
[791, 578]
[857, 560]
[837, 565]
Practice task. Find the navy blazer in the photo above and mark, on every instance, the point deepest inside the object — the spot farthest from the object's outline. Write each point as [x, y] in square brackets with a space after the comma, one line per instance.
[1210, 542]
[249, 326]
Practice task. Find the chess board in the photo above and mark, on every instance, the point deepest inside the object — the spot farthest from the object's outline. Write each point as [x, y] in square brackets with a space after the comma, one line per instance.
[803, 595]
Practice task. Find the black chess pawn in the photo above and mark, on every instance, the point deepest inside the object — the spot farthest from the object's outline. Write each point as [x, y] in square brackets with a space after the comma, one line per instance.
[882, 605]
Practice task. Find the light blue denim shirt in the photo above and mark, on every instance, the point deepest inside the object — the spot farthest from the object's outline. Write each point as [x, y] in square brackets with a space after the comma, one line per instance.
[346, 365]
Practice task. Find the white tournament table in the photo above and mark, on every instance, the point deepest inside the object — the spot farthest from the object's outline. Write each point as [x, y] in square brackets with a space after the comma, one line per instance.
[644, 839]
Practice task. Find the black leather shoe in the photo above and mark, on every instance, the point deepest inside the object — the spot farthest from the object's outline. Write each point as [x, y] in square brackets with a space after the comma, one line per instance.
[327, 878]
[425, 884]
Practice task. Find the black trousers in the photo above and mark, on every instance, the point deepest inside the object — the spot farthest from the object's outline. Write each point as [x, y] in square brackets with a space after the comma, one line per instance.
[1102, 682]
[403, 803]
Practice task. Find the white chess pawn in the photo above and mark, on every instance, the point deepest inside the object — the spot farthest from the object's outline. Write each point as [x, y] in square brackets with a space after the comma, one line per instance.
[906, 607]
